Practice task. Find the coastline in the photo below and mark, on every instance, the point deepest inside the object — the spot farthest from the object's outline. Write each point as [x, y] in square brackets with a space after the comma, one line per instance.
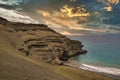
[30, 66]
[77, 65]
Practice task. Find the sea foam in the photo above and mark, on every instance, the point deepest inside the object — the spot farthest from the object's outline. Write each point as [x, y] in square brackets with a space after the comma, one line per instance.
[108, 70]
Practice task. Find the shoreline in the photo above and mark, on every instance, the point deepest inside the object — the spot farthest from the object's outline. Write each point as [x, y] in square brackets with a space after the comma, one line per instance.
[78, 65]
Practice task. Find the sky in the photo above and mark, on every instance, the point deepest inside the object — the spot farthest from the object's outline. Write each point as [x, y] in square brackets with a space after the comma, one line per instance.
[69, 17]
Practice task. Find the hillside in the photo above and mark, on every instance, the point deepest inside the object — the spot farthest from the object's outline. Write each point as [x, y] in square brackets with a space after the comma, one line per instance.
[41, 41]
[25, 47]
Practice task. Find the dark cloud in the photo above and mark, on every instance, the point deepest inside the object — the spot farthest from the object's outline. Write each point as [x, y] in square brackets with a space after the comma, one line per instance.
[7, 6]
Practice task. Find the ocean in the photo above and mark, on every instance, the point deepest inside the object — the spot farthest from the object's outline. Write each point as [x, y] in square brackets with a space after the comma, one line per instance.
[103, 53]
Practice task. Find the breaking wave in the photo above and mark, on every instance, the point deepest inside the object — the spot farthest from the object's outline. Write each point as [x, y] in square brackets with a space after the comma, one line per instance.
[108, 70]
[101, 69]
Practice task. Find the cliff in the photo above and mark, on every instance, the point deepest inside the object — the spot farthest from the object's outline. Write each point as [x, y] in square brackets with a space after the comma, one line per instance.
[24, 47]
[41, 41]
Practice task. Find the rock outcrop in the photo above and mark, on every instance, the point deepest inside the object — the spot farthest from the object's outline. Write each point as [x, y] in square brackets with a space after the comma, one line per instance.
[41, 41]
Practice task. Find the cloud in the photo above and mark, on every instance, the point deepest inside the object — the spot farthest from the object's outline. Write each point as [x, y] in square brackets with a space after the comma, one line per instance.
[71, 34]
[74, 12]
[69, 25]
[72, 0]
[15, 16]
[108, 4]
[59, 18]
[103, 28]
[11, 2]
[70, 17]
[113, 1]
[108, 8]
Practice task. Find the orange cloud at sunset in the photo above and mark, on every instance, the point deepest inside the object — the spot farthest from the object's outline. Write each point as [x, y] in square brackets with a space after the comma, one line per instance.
[74, 12]
[108, 8]
[71, 34]
[68, 17]
[113, 1]
[108, 3]
[61, 18]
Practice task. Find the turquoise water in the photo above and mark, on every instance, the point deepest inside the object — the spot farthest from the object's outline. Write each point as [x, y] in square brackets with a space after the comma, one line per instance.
[103, 50]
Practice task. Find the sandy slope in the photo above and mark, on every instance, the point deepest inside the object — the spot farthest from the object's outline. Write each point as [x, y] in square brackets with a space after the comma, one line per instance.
[16, 66]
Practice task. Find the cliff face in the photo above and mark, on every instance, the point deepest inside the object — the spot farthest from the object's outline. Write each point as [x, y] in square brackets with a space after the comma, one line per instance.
[41, 41]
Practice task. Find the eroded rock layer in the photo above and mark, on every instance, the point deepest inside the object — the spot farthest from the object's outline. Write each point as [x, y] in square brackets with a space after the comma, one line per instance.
[41, 41]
